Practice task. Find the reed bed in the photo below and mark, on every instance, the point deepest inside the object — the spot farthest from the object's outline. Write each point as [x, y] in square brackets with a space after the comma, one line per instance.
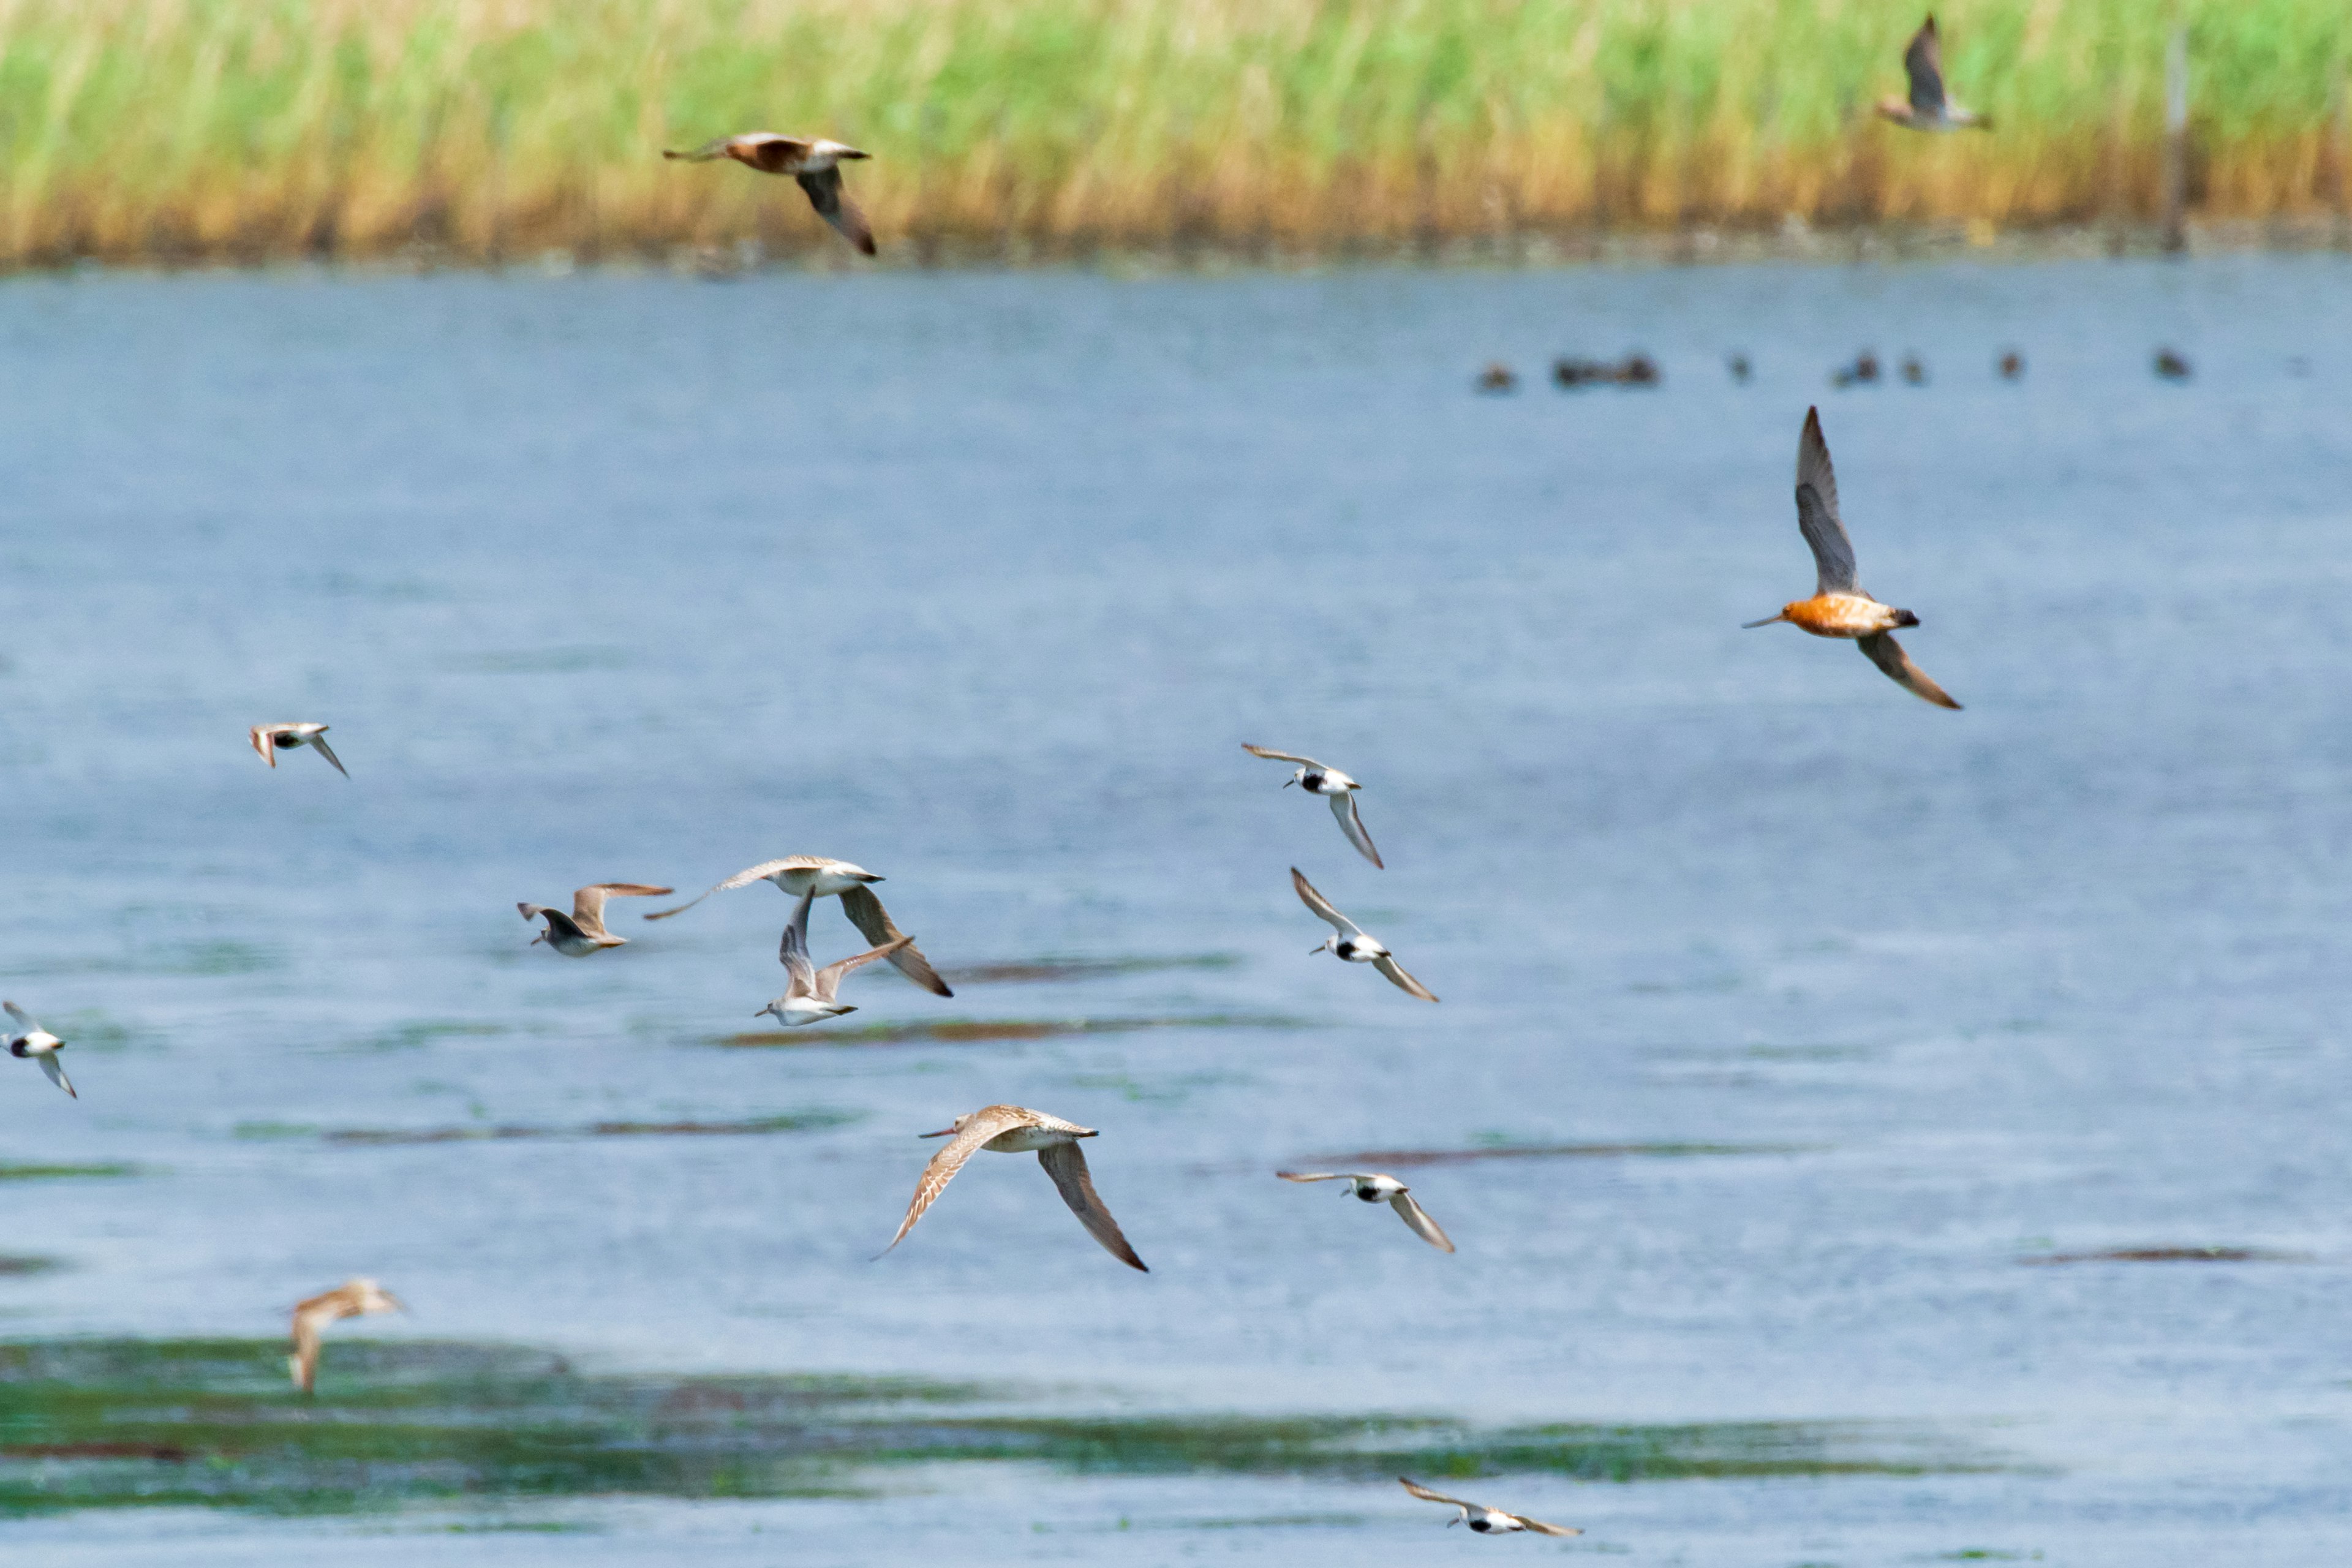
[487, 129]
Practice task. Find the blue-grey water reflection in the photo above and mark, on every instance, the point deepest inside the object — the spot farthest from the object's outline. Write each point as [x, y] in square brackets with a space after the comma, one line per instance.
[980, 581]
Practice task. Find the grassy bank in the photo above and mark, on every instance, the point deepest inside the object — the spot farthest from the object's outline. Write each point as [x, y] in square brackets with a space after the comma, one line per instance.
[493, 128]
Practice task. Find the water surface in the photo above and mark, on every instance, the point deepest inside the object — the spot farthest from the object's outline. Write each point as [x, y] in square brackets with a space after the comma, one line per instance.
[1951, 1099]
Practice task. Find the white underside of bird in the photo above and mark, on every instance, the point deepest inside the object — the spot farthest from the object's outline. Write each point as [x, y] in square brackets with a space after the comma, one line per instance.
[29, 1041]
[1353, 943]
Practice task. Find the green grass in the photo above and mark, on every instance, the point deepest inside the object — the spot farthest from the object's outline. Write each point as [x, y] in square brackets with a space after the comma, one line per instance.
[257, 128]
[126, 1423]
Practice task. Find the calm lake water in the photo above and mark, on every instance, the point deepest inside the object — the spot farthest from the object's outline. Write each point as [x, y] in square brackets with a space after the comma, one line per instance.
[1852, 1028]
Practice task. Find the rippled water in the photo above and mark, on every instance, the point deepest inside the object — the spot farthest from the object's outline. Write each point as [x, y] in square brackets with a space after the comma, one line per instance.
[1803, 1048]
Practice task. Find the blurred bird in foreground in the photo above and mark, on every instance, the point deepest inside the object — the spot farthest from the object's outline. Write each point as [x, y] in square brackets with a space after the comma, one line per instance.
[1839, 607]
[1015, 1129]
[582, 931]
[1486, 1520]
[1373, 1187]
[29, 1040]
[1927, 109]
[354, 1298]
[271, 738]
[2171, 364]
[815, 163]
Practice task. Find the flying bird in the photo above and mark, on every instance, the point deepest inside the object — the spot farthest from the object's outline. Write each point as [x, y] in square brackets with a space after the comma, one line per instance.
[1010, 1129]
[1352, 942]
[1334, 785]
[815, 163]
[1374, 1187]
[1839, 607]
[808, 991]
[352, 1299]
[799, 874]
[1484, 1519]
[271, 738]
[1927, 109]
[29, 1039]
[582, 931]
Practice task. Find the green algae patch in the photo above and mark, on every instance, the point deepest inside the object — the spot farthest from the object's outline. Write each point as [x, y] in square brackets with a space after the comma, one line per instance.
[1061, 971]
[1372, 1159]
[972, 1031]
[63, 1172]
[2171, 1255]
[751, 1127]
[213, 1423]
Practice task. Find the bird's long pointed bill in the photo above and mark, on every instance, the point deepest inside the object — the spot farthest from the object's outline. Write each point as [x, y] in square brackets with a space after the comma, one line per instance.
[942, 1132]
[1751, 625]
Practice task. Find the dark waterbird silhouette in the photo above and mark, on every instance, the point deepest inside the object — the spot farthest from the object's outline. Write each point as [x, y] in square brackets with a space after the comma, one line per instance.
[1863, 371]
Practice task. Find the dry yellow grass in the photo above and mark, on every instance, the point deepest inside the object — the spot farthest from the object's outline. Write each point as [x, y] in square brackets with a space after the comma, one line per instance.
[194, 128]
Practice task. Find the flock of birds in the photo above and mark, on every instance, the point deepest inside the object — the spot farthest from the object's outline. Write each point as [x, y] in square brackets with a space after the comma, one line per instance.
[1838, 608]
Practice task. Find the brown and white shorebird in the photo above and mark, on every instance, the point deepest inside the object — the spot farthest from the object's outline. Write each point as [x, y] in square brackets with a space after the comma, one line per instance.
[809, 991]
[28, 1039]
[352, 1299]
[814, 163]
[1013, 1130]
[1927, 109]
[1333, 785]
[1486, 1520]
[581, 933]
[799, 874]
[1839, 607]
[1355, 944]
[1373, 1187]
[271, 738]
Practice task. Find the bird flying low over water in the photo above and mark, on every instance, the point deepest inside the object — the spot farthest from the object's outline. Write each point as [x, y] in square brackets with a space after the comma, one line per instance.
[271, 738]
[1333, 785]
[352, 1299]
[1013, 1130]
[1486, 1520]
[1927, 109]
[814, 163]
[809, 991]
[1374, 1187]
[582, 931]
[1839, 607]
[799, 874]
[1352, 942]
[28, 1039]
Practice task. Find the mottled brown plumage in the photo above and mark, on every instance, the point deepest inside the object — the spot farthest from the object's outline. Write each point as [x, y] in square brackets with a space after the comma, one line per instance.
[1013, 1130]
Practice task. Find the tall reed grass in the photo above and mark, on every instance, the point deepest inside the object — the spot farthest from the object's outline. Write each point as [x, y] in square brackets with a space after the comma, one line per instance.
[487, 128]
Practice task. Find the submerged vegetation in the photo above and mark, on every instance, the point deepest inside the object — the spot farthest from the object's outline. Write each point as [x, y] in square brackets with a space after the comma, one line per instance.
[126, 1423]
[485, 129]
